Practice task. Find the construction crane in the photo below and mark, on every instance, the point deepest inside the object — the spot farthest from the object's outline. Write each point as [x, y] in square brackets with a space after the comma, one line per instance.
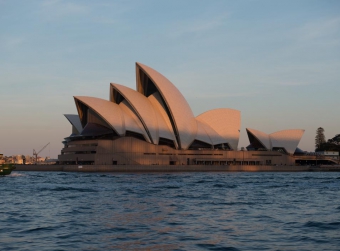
[36, 153]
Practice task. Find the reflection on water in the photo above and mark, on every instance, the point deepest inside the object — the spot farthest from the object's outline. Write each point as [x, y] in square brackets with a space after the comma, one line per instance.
[177, 211]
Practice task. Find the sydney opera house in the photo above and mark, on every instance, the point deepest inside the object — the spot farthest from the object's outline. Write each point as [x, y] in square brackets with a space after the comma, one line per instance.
[154, 125]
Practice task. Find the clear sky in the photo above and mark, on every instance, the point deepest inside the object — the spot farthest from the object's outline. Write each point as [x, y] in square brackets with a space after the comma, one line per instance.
[278, 62]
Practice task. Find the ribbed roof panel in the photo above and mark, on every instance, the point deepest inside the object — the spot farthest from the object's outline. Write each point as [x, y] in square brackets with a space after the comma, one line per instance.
[131, 120]
[142, 107]
[164, 124]
[75, 121]
[180, 112]
[226, 122]
[288, 139]
[202, 134]
[262, 137]
[107, 110]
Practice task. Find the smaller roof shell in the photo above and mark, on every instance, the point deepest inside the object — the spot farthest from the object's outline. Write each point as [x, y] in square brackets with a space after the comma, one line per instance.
[262, 137]
[226, 122]
[164, 125]
[142, 107]
[288, 139]
[108, 111]
[202, 134]
[208, 135]
[75, 121]
[131, 120]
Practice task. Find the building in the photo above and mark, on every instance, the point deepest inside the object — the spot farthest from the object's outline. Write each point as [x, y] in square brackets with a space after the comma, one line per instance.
[284, 141]
[154, 125]
[2, 161]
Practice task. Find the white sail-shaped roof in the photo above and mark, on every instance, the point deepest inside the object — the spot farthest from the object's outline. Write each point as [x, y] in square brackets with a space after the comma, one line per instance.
[207, 134]
[131, 120]
[226, 122]
[75, 121]
[108, 111]
[288, 139]
[142, 108]
[179, 111]
[262, 137]
[158, 113]
[164, 125]
[202, 134]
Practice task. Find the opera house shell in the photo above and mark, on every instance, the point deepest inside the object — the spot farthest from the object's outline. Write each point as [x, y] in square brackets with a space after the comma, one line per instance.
[284, 141]
[154, 125]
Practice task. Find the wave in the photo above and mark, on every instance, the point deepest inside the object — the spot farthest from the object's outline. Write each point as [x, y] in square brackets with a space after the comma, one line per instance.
[216, 247]
[61, 189]
[38, 229]
[225, 186]
[322, 225]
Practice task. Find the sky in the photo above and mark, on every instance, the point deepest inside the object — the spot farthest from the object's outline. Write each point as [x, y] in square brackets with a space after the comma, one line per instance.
[278, 62]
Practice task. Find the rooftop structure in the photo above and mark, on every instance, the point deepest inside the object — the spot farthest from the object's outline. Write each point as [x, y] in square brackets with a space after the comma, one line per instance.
[285, 141]
[134, 126]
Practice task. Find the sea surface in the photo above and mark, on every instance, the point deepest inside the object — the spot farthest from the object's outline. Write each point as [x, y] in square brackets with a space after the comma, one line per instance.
[170, 211]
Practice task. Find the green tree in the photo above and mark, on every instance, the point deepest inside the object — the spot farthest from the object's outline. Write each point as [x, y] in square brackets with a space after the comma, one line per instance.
[335, 140]
[319, 138]
[332, 144]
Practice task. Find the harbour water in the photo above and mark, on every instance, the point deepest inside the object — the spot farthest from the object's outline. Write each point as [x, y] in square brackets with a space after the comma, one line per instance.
[170, 211]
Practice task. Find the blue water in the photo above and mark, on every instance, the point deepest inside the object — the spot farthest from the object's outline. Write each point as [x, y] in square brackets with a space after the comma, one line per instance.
[177, 211]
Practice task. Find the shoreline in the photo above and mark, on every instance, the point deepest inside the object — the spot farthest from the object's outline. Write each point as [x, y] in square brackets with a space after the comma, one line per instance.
[175, 168]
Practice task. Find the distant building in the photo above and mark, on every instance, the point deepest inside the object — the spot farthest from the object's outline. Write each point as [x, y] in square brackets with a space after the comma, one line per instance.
[154, 125]
[330, 154]
[2, 161]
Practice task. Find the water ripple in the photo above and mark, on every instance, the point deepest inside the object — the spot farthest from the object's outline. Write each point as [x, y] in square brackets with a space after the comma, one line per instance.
[170, 211]
[323, 226]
